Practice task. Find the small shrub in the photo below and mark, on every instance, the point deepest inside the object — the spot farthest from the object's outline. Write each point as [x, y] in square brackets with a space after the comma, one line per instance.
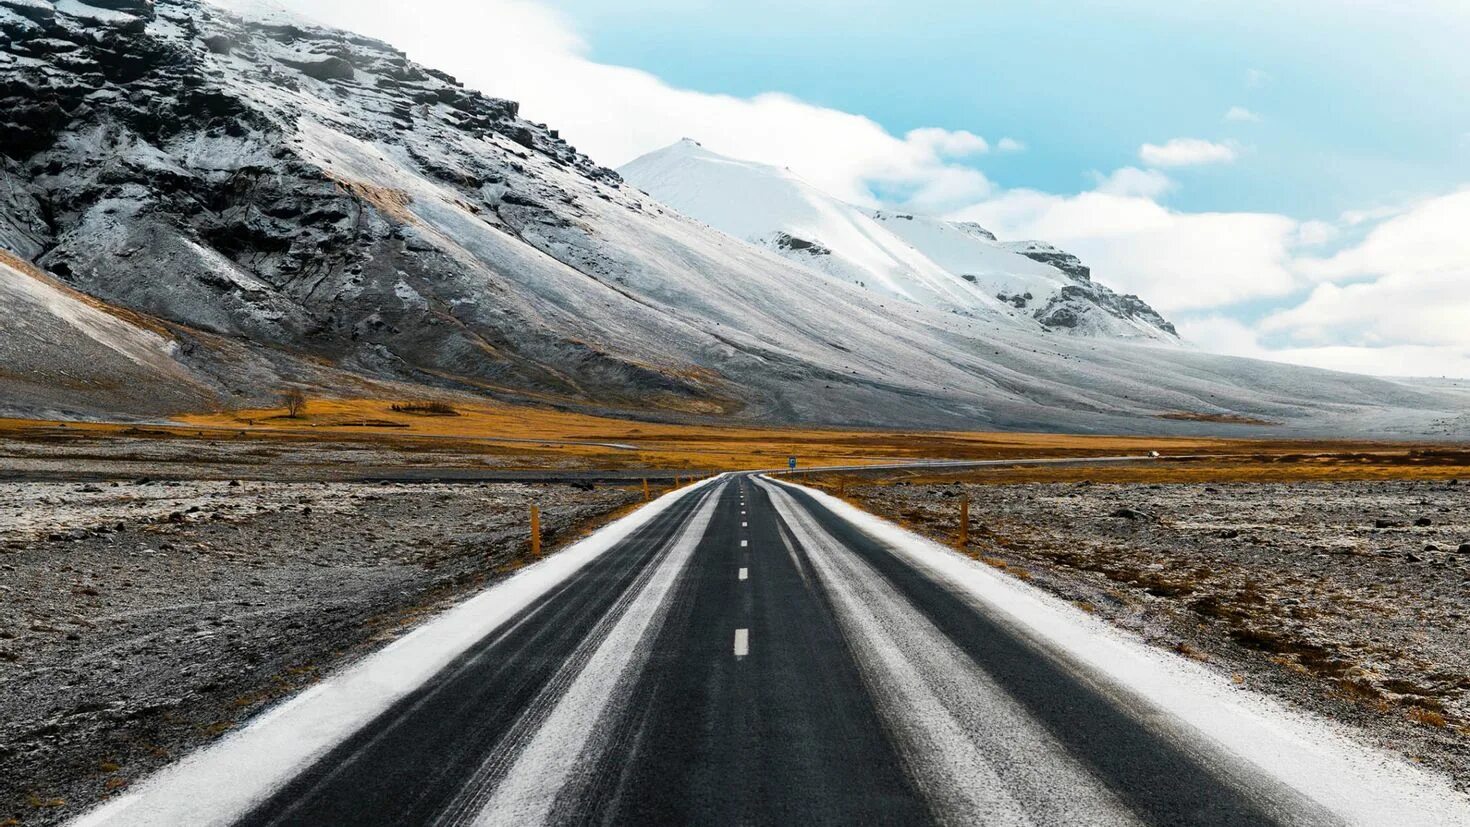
[294, 402]
[425, 408]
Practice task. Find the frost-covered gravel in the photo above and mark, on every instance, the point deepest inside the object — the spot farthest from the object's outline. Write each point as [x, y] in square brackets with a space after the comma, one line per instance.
[1327, 594]
[138, 620]
[67, 454]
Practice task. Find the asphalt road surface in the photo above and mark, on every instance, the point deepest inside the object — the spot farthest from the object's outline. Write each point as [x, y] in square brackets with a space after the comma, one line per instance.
[750, 657]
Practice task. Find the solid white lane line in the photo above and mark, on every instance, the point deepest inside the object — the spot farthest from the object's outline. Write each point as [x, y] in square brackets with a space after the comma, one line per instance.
[570, 732]
[742, 642]
[744, 574]
[744, 543]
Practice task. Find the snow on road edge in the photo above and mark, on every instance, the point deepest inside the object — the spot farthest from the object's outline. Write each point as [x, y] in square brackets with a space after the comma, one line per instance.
[1321, 758]
[219, 783]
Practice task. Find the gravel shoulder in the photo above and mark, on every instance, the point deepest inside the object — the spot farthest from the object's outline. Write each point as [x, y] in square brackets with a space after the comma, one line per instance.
[1349, 599]
[141, 619]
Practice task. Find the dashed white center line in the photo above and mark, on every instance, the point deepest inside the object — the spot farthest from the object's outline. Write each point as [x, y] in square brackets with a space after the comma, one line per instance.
[744, 543]
[742, 642]
[744, 524]
[744, 574]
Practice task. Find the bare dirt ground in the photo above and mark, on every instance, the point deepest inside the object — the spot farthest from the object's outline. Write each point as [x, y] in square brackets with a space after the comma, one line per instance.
[140, 619]
[1348, 598]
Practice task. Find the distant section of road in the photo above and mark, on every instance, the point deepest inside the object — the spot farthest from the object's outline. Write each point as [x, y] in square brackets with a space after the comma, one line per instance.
[754, 652]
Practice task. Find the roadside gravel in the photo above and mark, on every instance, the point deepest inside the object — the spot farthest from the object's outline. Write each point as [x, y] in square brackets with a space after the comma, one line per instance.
[140, 619]
[1350, 599]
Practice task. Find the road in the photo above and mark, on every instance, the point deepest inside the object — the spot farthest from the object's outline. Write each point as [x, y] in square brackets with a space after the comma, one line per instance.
[750, 655]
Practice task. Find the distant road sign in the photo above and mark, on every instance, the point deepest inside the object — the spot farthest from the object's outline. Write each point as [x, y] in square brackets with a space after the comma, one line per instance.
[791, 463]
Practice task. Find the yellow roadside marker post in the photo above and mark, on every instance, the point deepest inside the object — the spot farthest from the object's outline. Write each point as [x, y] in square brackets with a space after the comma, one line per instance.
[964, 520]
[646, 495]
[535, 531]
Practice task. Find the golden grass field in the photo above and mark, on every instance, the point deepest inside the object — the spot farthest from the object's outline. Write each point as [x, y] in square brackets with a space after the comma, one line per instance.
[526, 438]
[1258, 462]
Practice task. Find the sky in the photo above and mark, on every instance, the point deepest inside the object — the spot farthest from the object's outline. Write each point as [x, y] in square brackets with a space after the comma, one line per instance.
[1283, 180]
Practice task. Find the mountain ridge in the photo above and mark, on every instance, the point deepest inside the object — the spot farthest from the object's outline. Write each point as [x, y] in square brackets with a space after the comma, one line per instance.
[953, 266]
[335, 216]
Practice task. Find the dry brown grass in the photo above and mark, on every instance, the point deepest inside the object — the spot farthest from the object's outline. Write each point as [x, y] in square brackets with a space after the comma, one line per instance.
[40, 802]
[536, 437]
[389, 201]
[1257, 462]
[1188, 651]
[1427, 717]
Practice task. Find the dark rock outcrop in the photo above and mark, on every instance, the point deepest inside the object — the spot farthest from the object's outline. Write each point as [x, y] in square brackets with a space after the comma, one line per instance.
[1071, 306]
[786, 241]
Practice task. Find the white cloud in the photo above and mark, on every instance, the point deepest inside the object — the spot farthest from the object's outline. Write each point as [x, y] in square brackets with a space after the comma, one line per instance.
[1316, 233]
[1402, 308]
[1176, 261]
[1221, 334]
[1240, 114]
[1386, 360]
[521, 50]
[1256, 78]
[949, 189]
[1394, 304]
[947, 144]
[1185, 152]
[1425, 239]
[1010, 145]
[1132, 181]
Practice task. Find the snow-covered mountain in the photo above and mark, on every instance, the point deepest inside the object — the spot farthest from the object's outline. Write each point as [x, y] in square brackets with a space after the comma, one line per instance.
[945, 265]
[296, 205]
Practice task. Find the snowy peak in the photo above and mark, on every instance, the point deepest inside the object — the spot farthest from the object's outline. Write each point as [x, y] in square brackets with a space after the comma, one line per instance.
[231, 205]
[956, 267]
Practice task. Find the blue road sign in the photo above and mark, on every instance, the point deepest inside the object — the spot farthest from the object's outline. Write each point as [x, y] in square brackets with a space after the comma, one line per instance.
[791, 463]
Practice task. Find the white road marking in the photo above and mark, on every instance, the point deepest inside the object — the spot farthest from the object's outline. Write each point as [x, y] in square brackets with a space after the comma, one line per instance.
[744, 543]
[744, 574]
[570, 733]
[744, 524]
[742, 642]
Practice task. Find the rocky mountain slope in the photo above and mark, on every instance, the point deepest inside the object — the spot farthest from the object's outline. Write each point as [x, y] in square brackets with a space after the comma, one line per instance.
[953, 266]
[301, 205]
[65, 354]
